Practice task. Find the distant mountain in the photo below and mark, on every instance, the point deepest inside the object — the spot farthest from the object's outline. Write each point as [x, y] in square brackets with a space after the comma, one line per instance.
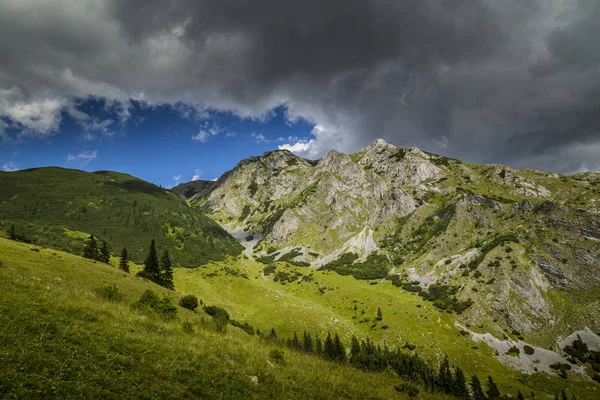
[60, 208]
[190, 189]
[517, 243]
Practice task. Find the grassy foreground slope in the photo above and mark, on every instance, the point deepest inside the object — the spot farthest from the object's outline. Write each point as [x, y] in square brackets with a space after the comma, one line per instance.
[60, 339]
[59, 208]
[326, 302]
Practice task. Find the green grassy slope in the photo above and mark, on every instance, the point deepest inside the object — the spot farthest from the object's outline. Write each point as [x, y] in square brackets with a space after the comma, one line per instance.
[59, 339]
[327, 304]
[61, 207]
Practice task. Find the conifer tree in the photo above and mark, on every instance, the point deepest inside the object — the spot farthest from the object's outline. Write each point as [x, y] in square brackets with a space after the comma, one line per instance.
[90, 250]
[379, 314]
[12, 233]
[354, 351]
[166, 273]
[339, 349]
[307, 343]
[296, 343]
[328, 348]
[318, 346]
[492, 392]
[520, 396]
[476, 389]
[151, 267]
[273, 334]
[459, 384]
[445, 376]
[124, 262]
[104, 253]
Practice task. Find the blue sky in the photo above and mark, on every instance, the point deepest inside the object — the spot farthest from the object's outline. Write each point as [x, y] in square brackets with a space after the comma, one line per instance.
[162, 144]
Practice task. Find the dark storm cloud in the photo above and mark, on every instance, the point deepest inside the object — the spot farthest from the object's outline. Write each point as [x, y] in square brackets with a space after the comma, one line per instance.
[496, 81]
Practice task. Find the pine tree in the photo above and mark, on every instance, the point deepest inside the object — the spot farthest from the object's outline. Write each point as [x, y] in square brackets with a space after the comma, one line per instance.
[476, 389]
[339, 349]
[307, 343]
[355, 351]
[445, 376]
[124, 262]
[328, 349]
[296, 343]
[151, 267]
[318, 346]
[90, 250]
[459, 384]
[166, 273]
[520, 396]
[492, 392]
[104, 253]
[273, 334]
[379, 314]
[12, 234]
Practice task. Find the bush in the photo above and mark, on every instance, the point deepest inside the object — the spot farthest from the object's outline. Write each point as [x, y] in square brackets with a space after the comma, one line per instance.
[408, 388]
[145, 275]
[217, 313]
[560, 366]
[277, 356]
[189, 301]
[187, 327]
[109, 292]
[528, 349]
[514, 350]
[150, 301]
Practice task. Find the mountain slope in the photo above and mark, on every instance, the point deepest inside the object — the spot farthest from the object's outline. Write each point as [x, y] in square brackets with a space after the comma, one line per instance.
[520, 249]
[62, 339]
[61, 207]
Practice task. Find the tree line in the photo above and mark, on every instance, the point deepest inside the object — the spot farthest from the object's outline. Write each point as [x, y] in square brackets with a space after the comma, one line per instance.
[155, 270]
[410, 366]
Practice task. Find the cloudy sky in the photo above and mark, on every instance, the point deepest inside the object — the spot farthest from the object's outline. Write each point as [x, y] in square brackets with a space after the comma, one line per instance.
[166, 89]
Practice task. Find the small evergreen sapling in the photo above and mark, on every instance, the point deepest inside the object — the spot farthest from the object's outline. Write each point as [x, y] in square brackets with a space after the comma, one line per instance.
[166, 273]
[151, 267]
[124, 262]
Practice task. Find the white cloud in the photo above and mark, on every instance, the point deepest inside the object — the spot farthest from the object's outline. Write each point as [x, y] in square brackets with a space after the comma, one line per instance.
[10, 167]
[82, 158]
[259, 137]
[36, 116]
[91, 125]
[214, 179]
[207, 131]
[177, 178]
[197, 174]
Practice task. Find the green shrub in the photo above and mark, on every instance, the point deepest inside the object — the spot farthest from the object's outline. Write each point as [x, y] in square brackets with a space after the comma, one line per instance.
[410, 389]
[528, 349]
[269, 269]
[109, 292]
[514, 350]
[477, 274]
[189, 301]
[277, 356]
[187, 327]
[217, 313]
[149, 301]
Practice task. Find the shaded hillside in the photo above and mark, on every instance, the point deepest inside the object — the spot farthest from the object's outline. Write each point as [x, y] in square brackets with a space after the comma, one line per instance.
[59, 208]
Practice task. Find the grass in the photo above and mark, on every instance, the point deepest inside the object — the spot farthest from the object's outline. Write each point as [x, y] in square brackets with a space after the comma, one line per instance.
[61, 340]
[60, 208]
[295, 307]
